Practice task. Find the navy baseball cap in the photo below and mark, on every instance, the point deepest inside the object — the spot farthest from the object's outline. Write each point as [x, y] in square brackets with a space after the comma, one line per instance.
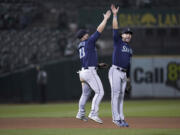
[81, 33]
[126, 30]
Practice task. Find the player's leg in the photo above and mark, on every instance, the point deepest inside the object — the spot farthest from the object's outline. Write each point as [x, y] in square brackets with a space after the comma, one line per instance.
[96, 85]
[114, 79]
[86, 92]
[121, 99]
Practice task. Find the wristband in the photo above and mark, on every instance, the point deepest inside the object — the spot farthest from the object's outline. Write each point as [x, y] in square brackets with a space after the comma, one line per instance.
[115, 16]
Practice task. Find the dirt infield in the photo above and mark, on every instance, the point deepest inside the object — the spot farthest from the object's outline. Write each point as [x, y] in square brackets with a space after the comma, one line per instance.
[141, 122]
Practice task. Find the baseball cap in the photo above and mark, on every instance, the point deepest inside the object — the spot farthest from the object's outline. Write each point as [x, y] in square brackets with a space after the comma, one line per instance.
[126, 30]
[81, 33]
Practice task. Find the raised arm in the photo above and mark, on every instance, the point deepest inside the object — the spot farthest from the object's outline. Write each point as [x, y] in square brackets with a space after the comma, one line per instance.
[114, 11]
[101, 27]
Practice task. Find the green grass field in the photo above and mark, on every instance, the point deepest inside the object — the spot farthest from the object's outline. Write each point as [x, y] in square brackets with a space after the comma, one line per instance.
[91, 132]
[132, 108]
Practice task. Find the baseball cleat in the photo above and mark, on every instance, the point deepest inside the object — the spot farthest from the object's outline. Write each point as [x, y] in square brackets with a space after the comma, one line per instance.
[96, 119]
[124, 123]
[117, 122]
[84, 118]
[121, 123]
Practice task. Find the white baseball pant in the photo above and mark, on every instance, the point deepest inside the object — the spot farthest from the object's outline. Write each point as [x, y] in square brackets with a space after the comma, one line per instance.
[118, 81]
[90, 81]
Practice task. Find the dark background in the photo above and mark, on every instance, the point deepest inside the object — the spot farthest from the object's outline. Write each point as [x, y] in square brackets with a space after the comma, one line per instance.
[42, 32]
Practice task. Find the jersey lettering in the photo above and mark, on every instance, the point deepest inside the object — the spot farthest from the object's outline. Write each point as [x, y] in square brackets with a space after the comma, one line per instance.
[125, 49]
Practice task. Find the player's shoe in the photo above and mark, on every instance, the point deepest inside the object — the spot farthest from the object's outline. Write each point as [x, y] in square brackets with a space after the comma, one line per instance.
[124, 123]
[82, 117]
[117, 122]
[121, 123]
[96, 119]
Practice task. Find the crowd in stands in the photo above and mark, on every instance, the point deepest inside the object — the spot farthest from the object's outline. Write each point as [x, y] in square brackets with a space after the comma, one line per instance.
[18, 14]
[21, 43]
[21, 48]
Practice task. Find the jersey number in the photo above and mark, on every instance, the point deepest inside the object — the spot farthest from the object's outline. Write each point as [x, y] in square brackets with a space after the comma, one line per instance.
[81, 52]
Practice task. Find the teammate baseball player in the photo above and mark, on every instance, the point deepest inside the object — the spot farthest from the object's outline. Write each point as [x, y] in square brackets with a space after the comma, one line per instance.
[88, 75]
[119, 71]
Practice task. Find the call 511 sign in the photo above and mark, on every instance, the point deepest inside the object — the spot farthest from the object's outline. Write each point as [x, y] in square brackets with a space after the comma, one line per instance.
[155, 76]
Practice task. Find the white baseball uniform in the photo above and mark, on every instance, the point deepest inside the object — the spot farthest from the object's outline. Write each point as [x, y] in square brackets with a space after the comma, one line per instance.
[88, 75]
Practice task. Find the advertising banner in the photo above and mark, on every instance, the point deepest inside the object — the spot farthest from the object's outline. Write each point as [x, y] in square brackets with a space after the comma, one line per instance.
[155, 76]
[149, 18]
[133, 18]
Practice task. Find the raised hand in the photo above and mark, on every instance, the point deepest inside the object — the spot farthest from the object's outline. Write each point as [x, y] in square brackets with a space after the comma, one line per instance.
[101, 27]
[114, 9]
[107, 15]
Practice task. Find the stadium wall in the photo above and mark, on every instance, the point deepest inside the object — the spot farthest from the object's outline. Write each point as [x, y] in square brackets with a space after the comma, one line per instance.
[152, 77]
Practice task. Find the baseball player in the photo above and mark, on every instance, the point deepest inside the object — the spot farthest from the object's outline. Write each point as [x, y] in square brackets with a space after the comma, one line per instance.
[119, 71]
[88, 75]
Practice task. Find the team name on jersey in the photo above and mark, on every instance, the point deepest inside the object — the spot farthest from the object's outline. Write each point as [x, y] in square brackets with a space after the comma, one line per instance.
[126, 49]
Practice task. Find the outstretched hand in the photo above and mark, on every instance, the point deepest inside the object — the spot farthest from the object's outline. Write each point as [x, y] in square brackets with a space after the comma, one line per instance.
[107, 15]
[114, 9]
[101, 27]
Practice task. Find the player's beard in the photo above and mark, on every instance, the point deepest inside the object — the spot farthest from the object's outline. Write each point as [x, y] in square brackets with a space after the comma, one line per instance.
[127, 40]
